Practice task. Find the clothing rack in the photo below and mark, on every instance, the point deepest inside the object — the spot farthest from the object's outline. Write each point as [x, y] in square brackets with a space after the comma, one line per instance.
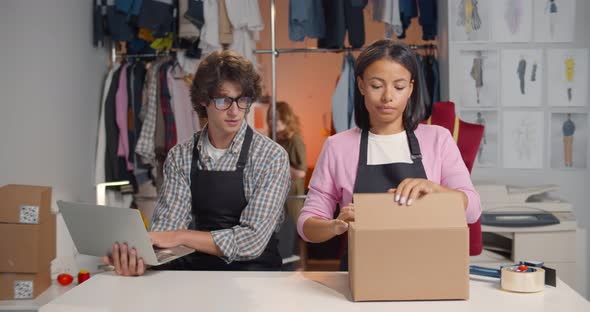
[305, 50]
[276, 52]
[115, 55]
[341, 50]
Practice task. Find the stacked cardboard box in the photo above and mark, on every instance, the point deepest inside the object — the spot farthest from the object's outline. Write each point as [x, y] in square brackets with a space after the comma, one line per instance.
[27, 241]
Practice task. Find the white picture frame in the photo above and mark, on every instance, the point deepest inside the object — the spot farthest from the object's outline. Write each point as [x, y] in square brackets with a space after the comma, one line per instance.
[554, 20]
[523, 139]
[472, 92]
[523, 76]
[487, 154]
[569, 151]
[567, 72]
[478, 28]
[512, 20]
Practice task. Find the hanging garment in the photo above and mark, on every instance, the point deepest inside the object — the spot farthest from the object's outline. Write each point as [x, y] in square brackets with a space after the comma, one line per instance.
[340, 17]
[146, 143]
[226, 35]
[117, 24]
[387, 11]
[129, 7]
[430, 73]
[351, 86]
[408, 10]
[186, 29]
[121, 103]
[157, 16]
[111, 166]
[422, 81]
[306, 19]
[99, 166]
[521, 73]
[99, 17]
[245, 18]
[513, 14]
[534, 72]
[185, 117]
[138, 77]
[195, 13]
[167, 113]
[163, 43]
[428, 18]
[436, 89]
[341, 98]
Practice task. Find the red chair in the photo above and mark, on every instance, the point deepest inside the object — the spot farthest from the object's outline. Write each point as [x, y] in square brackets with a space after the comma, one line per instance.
[468, 137]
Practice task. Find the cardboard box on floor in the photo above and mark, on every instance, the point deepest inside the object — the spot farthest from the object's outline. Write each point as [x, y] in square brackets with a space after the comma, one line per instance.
[24, 285]
[418, 252]
[24, 203]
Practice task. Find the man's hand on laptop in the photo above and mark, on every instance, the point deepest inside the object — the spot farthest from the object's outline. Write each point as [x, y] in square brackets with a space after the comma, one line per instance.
[125, 261]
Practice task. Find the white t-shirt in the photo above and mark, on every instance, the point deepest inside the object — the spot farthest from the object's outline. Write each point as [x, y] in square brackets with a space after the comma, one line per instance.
[212, 151]
[387, 149]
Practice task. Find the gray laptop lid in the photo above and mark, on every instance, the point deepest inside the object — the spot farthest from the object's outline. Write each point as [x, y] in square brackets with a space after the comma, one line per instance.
[94, 229]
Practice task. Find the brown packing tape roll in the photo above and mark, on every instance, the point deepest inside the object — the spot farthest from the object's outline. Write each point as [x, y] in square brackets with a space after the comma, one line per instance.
[512, 280]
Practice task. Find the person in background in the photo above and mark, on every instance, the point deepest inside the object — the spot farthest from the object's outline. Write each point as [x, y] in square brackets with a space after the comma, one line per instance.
[224, 189]
[288, 131]
[390, 151]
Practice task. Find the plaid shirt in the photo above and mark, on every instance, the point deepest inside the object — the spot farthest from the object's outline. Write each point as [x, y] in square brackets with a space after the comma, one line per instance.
[266, 184]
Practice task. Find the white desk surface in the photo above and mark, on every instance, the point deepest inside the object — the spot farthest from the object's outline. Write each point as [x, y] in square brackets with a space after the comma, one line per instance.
[284, 291]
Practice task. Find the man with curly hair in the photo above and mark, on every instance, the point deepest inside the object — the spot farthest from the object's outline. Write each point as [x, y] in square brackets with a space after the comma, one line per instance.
[224, 189]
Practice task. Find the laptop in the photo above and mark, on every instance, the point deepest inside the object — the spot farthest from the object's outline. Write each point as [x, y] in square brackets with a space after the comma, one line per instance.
[95, 229]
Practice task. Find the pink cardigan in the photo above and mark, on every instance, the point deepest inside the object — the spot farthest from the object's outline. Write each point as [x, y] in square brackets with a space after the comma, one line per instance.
[335, 172]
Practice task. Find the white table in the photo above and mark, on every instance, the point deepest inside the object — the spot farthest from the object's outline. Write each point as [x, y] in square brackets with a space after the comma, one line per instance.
[284, 291]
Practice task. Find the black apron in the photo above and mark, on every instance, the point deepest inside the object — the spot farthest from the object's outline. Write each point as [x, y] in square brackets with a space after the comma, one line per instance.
[217, 203]
[380, 178]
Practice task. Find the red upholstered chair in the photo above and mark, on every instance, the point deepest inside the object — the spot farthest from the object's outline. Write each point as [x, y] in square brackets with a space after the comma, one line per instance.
[468, 137]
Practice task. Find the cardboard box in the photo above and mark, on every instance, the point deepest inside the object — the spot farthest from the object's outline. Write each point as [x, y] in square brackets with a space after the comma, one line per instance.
[418, 252]
[24, 285]
[24, 204]
[27, 248]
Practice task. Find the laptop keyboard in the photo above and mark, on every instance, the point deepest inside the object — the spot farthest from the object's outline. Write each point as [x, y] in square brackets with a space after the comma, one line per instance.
[163, 254]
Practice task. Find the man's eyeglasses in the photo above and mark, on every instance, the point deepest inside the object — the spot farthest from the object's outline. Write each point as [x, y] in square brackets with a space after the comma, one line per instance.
[224, 103]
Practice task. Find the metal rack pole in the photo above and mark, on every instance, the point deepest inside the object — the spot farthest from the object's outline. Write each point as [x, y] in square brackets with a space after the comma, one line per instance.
[273, 70]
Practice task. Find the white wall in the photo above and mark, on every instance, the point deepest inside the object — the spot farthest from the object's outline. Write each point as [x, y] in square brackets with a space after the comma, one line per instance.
[50, 83]
[574, 185]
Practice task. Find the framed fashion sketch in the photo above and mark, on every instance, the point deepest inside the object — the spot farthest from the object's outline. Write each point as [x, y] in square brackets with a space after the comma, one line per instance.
[470, 20]
[512, 20]
[569, 140]
[554, 20]
[567, 77]
[476, 78]
[487, 153]
[522, 139]
[522, 77]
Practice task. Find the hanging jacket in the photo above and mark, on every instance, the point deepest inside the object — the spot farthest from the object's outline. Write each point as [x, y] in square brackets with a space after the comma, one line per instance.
[306, 19]
[342, 16]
